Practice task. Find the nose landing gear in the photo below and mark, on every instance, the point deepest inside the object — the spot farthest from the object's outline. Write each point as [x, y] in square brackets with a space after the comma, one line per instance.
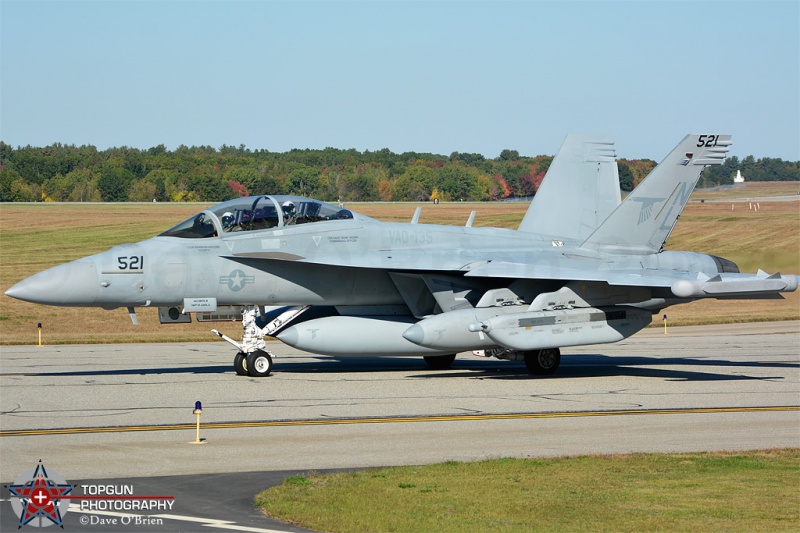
[252, 358]
[259, 364]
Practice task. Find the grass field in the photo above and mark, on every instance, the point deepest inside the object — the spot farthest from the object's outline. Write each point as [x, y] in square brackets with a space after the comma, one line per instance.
[699, 492]
[753, 189]
[37, 236]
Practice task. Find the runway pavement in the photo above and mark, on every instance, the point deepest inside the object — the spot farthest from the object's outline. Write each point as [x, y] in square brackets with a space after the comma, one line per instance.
[125, 411]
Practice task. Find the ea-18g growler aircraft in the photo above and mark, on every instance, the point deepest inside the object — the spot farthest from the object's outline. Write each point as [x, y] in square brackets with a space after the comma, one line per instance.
[583, 268]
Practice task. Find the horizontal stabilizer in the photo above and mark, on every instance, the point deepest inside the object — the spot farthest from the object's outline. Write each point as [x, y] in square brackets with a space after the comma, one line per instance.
[739, 285]
[683, 284]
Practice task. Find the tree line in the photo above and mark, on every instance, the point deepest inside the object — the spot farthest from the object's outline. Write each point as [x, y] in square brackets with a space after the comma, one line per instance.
[69, 173]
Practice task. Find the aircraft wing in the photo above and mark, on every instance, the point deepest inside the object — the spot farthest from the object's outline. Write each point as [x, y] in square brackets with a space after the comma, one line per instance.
[563, 268]
[392, 260]
[538, 271]
[682, 284]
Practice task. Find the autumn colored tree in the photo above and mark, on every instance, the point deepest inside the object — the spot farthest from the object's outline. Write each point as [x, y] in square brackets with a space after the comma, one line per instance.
[640, 168]
[193, 173]
[237, 188]
[625, 176]
[385, 190]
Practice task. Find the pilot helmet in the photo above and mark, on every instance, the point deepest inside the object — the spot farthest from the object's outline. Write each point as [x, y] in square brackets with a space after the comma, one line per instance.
[288, 207]
[227, 219]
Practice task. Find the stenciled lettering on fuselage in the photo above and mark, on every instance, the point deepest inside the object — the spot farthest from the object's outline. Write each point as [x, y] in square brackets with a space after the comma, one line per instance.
[411, 237]
[343, 239]
[133, 262]
[236, 280]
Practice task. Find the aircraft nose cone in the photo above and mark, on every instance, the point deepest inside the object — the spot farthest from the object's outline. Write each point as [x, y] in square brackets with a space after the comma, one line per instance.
[74, 283]
[415, 334]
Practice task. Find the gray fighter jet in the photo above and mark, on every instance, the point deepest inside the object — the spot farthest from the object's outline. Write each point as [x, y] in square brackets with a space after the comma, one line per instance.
[583, 268]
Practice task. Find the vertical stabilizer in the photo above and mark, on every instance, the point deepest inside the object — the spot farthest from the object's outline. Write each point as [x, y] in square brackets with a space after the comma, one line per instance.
[580, 189]
[642, 223]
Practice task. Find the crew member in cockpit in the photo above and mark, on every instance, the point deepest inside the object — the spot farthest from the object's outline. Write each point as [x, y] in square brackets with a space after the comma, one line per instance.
[227, 221]
[289, 215]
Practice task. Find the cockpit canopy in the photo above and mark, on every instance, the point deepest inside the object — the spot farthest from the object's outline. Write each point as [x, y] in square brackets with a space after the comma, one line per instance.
[256, 213]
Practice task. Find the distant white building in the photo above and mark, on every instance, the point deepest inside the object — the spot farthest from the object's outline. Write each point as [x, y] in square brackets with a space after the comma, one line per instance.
[739, 178]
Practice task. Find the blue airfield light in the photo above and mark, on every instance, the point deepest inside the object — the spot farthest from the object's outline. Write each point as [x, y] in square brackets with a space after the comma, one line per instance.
[198, 408]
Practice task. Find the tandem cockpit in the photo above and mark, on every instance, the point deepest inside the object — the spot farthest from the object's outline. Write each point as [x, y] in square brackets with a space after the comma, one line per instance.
[253, 213]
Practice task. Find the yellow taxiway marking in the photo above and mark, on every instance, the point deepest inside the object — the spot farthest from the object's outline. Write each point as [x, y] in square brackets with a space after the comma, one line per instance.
[391, 420]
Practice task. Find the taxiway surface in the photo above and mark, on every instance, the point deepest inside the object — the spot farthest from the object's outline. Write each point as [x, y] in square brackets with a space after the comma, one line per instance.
[125, 411]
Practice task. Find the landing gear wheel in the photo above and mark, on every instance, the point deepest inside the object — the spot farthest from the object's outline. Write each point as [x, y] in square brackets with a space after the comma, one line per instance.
[259, 364]
[240, 364]
[543, 362]
[439, 362]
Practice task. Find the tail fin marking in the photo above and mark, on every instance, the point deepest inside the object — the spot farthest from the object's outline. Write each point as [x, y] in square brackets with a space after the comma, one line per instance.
[643, 222]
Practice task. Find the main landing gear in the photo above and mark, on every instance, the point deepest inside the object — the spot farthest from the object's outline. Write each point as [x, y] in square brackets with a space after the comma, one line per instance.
[538, 362]
[543, 362]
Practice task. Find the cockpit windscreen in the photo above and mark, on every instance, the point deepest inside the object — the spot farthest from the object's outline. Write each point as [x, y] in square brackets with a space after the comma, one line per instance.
[256, 213]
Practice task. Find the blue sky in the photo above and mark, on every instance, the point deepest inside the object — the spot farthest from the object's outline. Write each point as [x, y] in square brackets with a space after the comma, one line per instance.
[409, 76]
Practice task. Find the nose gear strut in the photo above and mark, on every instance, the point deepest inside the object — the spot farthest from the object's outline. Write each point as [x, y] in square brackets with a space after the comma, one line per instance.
[252, 358]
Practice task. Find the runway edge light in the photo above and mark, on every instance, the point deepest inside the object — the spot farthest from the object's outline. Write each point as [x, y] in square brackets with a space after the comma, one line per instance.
[198, 410]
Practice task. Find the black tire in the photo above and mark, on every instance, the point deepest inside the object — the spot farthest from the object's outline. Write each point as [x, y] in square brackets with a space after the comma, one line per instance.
[439, 362]
[240, 364]
[259, 364]
[543, 362]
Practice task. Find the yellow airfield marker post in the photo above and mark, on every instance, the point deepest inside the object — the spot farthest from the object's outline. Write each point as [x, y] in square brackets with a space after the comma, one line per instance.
[39, 327]
[665, 323]
[198, 409]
